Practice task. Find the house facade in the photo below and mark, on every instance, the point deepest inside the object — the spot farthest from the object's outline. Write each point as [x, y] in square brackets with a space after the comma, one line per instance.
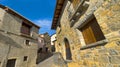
[41, 42]
[18, 39]
[88, 32]
[47, 40]
[44, 43]
[44, 47]
[54, 43]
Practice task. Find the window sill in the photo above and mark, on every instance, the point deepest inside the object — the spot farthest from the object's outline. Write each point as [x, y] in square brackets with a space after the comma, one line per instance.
[102, 42]
[27, 36]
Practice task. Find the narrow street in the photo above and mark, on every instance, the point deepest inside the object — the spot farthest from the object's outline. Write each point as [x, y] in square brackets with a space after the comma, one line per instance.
[59, 33]
[54, 61]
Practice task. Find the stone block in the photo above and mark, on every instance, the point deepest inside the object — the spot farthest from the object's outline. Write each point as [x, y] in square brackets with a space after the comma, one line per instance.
[113, 52]
[102, 65]
[104, 59]
[109, 65]
[116, 65]
[114, 59]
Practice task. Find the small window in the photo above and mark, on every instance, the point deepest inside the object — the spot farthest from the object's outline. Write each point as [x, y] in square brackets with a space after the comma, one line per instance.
[27, 42]
[59, 44]
[0, 63]
[25, 58]
[46, 49]
[40, 50]
[92, 32]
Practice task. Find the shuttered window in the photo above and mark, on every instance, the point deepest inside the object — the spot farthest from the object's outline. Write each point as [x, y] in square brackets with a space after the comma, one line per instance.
[25, 29]
[75, 3]
[92, 32]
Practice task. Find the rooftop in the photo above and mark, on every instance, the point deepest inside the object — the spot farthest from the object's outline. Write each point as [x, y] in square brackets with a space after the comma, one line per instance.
[9, 10]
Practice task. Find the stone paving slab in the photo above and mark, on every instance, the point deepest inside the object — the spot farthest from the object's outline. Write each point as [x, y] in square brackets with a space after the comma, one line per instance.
[54, 61]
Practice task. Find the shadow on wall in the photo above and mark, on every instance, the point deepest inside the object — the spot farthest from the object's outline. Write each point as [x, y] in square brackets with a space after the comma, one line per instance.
[42, 55]
[8, 41]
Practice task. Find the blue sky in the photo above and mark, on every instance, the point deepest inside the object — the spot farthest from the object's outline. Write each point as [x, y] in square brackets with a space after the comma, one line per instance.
[39, 11]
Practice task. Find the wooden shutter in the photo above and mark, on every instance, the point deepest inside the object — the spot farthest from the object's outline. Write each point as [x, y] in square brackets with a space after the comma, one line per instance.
[88, 34]
[75, 3]
[92, 32]
[25, 29]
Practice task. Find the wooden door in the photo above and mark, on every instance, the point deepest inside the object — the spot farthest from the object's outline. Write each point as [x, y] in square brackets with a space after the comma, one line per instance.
[68, 51]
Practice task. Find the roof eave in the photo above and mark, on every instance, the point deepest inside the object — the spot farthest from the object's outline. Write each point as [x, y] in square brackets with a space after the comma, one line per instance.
[58, 9]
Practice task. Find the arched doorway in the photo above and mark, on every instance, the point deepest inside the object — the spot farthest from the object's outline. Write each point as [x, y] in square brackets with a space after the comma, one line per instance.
[67, 48]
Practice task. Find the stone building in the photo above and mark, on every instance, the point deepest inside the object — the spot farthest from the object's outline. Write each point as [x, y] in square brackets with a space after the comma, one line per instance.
[47, 40]
[88, 32]
[54, 43]
[41, 42]
[44, 42]
[44, 47]
[18, 39]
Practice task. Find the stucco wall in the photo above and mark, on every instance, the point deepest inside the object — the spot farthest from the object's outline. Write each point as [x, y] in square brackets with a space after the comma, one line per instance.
[12, 44]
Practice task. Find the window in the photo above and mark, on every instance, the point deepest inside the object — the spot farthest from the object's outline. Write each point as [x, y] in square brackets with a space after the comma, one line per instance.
[75, 3]
[46, 49]
[25, 29]
[42, 41]
[11, 63]
[92, 32]
[25, 58]
[27, 42]
[59, 44]
[39, 50]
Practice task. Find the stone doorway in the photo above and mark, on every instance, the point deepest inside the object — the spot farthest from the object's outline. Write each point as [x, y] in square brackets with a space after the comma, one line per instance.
[11, 63]
[67, 48]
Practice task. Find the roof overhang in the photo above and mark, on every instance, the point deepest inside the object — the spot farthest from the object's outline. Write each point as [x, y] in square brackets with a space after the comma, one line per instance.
[57, 13]
[9, 10]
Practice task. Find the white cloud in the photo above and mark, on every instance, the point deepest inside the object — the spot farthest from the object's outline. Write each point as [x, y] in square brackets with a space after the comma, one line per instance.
[44, 23]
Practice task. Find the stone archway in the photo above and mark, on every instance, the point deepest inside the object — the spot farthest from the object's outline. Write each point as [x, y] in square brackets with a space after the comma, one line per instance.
[67, 49]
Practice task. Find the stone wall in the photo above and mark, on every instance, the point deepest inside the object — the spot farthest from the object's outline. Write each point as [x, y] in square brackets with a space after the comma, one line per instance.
[107, 13]
[69, 33]
[47, 41]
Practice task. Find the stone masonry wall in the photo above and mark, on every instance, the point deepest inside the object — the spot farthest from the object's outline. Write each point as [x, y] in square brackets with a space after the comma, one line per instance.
[69, 33]
[107, 55]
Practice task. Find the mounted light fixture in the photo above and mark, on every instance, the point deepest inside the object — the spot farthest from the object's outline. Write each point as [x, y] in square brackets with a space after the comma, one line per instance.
[86, 3]
[78, 13]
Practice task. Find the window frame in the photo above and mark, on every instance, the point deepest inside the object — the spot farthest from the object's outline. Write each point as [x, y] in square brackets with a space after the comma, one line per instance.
[23, 25]
[94, 44]
[25, 58]
[27, 42]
